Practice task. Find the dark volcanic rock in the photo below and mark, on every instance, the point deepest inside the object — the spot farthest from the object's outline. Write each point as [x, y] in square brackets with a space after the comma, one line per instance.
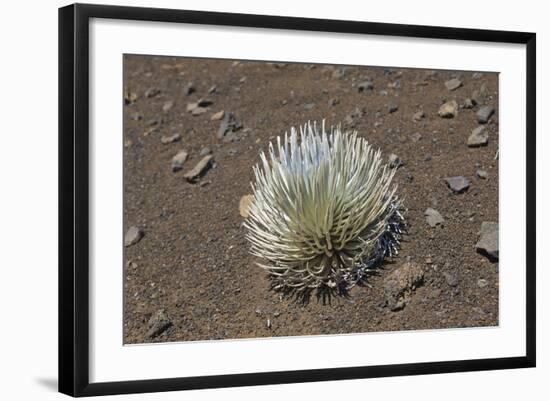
[484, 114]
[204, 102]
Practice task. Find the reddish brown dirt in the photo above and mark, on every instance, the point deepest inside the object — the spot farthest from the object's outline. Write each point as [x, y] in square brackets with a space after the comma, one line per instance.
[193, 261]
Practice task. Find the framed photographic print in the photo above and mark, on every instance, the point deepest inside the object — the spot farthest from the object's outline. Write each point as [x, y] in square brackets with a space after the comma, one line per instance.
[249, 199]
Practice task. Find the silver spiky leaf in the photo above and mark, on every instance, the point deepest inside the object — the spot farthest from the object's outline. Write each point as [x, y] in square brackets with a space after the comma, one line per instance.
[324, 211]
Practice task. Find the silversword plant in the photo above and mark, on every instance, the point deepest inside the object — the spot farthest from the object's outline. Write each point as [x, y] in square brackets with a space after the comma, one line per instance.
[324, 212]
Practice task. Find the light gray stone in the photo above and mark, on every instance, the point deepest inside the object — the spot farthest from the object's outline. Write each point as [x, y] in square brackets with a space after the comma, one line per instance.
[167, 105]
[433, 217]
[482, 174]
[133, 236]
[453, 84]
[419, 115]
[178, 160]
[482, 283]
[169, 139]
[199, 111]
[478, 137]
[488, 240]
[484, 114]
[205, 151]
[200, 168]
[458, 184]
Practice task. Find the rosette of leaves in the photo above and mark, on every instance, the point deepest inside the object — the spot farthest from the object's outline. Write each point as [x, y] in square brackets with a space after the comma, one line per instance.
[324, 213]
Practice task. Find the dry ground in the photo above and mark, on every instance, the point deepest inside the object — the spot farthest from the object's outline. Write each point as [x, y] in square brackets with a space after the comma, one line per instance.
[193, 260]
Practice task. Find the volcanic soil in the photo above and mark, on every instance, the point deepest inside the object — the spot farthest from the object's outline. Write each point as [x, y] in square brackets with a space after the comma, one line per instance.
[191, 277]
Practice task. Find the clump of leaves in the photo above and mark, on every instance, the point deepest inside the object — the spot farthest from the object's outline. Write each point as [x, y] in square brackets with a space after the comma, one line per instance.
[324, 212]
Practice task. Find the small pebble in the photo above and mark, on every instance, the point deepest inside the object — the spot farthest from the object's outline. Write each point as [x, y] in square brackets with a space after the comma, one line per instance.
[365, 86]
[482, 174]
[449, 109]
[205, 151]
[152, 92]
[419, 115]
[453, 84]
[167, 105]
[394, 161]
[133, 236]
[217, 116]
[178, 160]
[170, 139]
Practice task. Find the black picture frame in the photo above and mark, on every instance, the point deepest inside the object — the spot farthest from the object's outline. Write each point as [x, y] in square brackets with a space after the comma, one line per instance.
[74, 198]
